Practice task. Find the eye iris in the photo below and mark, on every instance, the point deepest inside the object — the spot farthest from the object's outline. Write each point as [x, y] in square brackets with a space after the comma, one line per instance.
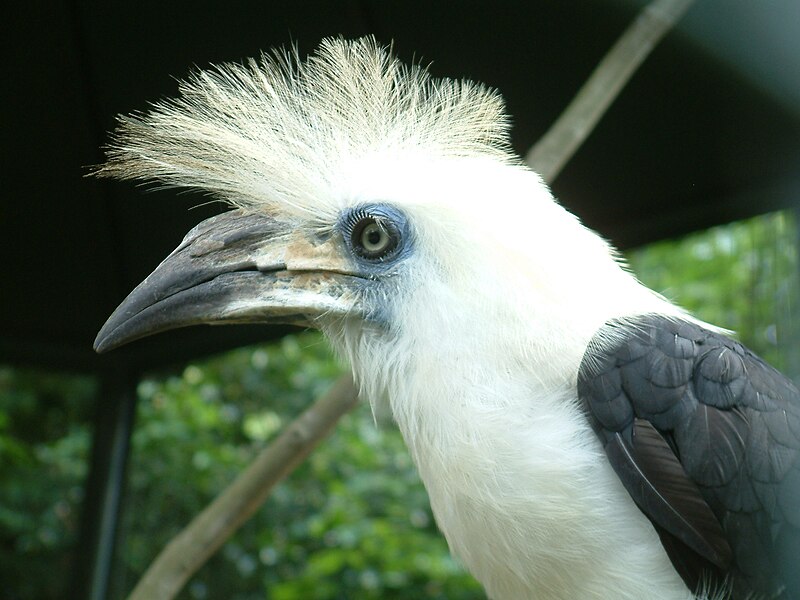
[373, 238]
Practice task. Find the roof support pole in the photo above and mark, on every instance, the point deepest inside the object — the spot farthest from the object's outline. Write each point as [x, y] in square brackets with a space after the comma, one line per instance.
[553, 151]
[104, 488]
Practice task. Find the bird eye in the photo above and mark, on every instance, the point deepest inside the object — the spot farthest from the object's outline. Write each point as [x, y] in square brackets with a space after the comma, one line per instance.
[374, 239]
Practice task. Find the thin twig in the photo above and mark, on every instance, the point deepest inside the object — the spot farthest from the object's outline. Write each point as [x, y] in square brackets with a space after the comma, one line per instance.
[568, 133]
[187, 552]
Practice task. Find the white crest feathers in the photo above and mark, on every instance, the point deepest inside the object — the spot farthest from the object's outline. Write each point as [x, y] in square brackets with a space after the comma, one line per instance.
[275, 131]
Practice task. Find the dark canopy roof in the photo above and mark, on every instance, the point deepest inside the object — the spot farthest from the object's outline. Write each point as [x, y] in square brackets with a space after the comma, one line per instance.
[708, 131]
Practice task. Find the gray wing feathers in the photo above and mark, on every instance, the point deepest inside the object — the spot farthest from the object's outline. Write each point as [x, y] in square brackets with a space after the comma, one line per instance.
[690, 418]
[661, 488]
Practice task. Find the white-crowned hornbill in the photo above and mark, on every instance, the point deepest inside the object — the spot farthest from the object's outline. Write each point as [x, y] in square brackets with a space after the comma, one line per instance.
[579, 436]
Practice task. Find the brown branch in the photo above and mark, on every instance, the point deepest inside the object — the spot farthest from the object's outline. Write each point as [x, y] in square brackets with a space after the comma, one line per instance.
[566, 135]
[187, 552]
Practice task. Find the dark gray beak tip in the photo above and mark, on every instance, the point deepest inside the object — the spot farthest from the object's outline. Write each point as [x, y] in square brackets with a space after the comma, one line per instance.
[100, 344]
[146, 312]
[113, 334]
[104, 341]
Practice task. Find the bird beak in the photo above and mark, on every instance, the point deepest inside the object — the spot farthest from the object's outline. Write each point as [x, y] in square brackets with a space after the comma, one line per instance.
[240, 267]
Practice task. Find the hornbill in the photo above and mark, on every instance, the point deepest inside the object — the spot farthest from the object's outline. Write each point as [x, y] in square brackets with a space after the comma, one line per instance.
[579, 436]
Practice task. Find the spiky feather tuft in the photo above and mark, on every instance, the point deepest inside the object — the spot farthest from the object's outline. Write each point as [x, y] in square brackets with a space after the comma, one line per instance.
[277, 131]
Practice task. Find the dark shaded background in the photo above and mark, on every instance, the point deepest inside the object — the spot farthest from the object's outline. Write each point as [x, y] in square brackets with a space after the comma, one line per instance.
[706, 132]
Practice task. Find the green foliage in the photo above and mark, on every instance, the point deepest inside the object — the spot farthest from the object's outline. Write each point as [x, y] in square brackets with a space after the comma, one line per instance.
[353, 521]
[44, 451]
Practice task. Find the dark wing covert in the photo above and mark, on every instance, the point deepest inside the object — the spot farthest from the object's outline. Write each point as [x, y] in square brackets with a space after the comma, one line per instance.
[705, 436]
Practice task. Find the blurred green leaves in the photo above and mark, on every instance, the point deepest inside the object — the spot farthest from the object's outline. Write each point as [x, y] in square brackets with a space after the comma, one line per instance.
[44, 447]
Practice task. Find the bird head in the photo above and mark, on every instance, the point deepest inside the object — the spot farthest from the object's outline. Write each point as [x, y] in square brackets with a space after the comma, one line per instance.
[371, 201]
